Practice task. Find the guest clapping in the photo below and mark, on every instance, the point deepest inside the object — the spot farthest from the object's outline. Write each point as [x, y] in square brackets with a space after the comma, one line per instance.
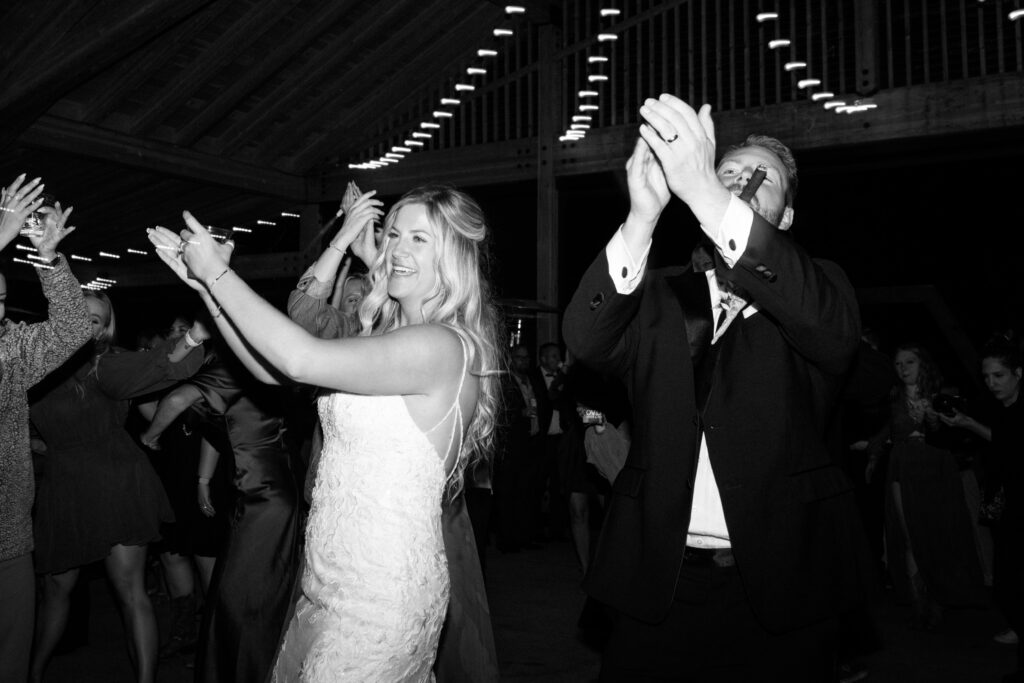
[27, 354]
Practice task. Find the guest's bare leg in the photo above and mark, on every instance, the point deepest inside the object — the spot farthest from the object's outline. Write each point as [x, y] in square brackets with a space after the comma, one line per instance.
[126, 570]
[579, 524]
[51, 619]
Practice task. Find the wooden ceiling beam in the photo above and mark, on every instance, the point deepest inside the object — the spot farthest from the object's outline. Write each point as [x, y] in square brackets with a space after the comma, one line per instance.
[106, 34]
[232, 42]
[294, 43]
[130, 74]
[281, 101]
[67, 136]
[396, 93]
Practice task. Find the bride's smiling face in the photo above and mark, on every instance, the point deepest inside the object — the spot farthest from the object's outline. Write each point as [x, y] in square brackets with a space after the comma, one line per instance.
[411, 259]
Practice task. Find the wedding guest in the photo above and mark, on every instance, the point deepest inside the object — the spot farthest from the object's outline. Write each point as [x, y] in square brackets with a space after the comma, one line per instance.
[27, 354]
[99, 498]
[1002, 369]
[413, 404]
[932, 558]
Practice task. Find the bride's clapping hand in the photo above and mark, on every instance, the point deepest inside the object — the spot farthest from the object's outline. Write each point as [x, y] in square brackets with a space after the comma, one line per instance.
[194, 256]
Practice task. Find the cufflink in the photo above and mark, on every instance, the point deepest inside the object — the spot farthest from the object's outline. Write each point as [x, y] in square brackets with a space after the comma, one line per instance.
[596, 301]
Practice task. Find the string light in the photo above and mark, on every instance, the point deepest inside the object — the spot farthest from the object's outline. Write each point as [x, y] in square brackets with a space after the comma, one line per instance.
[262, 222]
[137, 252]
[779, 42]
[767, 16]
[109, 255]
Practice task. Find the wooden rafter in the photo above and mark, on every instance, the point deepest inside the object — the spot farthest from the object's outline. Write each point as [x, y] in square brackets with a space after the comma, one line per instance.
[130, 74]
[323, 75]
[400, 92]
[233, 41]
[106, 34]
[238, 90]
[67, 136]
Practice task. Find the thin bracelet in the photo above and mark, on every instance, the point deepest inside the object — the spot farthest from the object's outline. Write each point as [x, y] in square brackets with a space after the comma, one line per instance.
[204, 480]
[214, 281]
[335, 248]
[190, 341]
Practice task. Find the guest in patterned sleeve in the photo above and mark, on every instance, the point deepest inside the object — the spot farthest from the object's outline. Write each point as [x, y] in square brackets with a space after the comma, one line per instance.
[99, 498]
[27, 353]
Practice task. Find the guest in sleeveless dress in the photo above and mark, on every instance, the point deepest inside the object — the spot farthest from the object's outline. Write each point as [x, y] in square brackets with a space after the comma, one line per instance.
[98, 497]
[413, 402]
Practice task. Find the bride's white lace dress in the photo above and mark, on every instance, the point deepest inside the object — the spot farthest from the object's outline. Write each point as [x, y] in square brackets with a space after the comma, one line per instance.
[375, 584]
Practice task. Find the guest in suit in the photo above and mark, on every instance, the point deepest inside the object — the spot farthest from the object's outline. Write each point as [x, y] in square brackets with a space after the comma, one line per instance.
[725, 554]
[549, 387]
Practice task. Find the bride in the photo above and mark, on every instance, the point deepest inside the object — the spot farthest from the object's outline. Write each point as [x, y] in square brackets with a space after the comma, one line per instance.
[414, 403]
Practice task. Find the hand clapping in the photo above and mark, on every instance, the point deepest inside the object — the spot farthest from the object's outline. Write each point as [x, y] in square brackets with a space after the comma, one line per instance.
[17, 201]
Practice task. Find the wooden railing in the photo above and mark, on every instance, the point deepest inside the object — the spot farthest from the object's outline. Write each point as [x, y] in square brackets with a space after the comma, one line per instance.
[717, 51]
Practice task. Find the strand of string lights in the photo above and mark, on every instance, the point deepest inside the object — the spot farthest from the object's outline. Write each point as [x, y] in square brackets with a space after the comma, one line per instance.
[597, 75]
[462, 87]
[100, 283]
[799, 69]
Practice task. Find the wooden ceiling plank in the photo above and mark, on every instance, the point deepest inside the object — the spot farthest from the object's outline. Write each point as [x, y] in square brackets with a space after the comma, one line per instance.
[56, 134]
[229, 45]
[228, 98]
[282, 98]
[110, 34]
[397, 93]
[33, 31]
[130, 74]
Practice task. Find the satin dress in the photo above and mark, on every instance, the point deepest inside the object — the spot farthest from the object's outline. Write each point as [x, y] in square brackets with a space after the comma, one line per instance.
[251, 589]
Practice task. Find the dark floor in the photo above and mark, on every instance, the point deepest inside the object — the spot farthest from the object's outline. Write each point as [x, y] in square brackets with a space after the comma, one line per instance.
[535, 602]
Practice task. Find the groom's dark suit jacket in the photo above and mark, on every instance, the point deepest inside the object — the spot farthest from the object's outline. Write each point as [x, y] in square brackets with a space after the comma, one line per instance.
[772, 383]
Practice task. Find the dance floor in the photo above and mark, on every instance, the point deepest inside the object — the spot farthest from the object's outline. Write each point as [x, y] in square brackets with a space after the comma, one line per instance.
[535, 604]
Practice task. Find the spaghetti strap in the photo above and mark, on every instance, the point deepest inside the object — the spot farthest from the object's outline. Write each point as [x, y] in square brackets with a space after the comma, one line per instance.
[456, 406]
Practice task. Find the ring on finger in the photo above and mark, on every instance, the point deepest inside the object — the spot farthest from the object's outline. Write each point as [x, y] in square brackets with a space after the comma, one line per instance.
[181, 247]
[675, 136]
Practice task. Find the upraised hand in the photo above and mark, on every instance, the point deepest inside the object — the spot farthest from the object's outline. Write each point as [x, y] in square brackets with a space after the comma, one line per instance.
[17, 201]
[684, 142]
[352, 193]
[194, 256]
[648, 191]
[358, 221]
[53, 231]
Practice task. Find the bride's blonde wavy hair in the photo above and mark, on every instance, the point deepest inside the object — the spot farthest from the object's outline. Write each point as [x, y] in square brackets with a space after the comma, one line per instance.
[461, 299]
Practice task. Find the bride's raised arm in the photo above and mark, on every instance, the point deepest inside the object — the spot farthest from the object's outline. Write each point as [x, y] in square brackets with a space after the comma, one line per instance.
[412, 360]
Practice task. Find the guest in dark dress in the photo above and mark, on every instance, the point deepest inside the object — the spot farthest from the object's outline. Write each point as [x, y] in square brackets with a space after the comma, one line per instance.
[99, 498]
[930, 548]
[250, 593]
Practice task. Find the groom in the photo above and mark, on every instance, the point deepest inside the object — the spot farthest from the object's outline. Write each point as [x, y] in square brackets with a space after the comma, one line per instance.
[724, 555]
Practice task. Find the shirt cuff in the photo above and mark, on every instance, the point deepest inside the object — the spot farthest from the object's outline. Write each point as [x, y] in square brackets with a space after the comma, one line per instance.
[624, 271]
[731, 235]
